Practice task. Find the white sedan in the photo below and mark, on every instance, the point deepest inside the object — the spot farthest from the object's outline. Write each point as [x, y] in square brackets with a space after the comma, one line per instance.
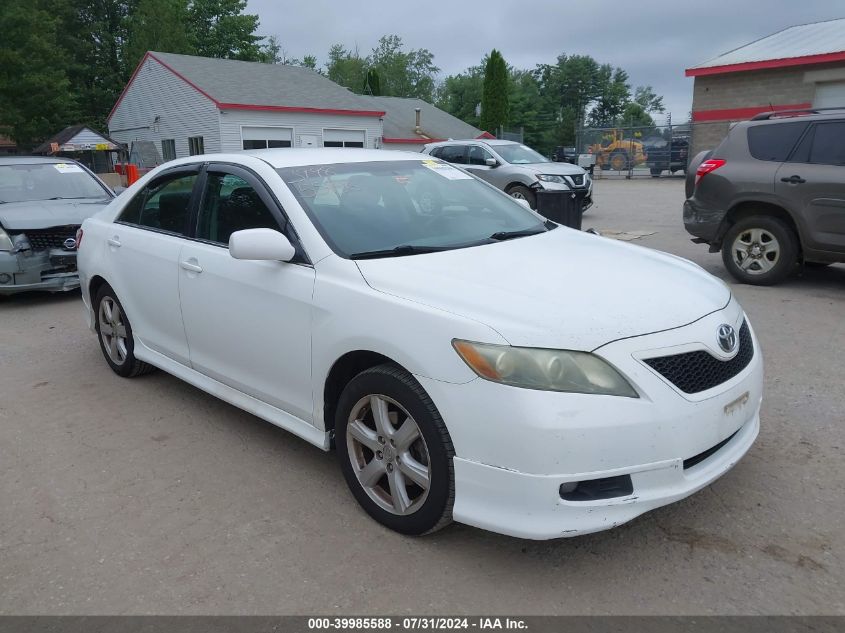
[467, 359]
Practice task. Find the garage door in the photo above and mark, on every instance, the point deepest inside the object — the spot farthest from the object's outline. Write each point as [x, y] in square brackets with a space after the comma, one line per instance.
[264, 137]
[344, 138]
[830, 95]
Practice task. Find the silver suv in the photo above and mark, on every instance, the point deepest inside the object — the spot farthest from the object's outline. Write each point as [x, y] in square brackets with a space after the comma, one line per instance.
[515, 168]
[772, 195]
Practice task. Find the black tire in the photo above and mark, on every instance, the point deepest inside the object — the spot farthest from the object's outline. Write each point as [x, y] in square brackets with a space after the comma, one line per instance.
[620, 155]
[787, 258]
[130, 366]
[655, 173]
[526, 193]
[394, 383]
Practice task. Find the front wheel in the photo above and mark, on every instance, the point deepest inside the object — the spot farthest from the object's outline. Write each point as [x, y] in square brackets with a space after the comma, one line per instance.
[395, 451]
[523, 193]
[760, 250]
[655, 173]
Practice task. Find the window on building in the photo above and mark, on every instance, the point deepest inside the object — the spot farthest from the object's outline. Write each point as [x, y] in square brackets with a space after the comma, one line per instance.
[264, 144]
[163, 204]
[231, 204]
[254, 137]
[774, 141]
[168, 149]
[344, 138]
[196, 145]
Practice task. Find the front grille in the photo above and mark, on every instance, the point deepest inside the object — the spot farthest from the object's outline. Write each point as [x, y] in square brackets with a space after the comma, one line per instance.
[698, 371]
[54, 237]
[697, 459]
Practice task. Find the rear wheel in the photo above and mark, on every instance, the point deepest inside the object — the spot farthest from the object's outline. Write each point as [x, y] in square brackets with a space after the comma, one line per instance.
[395, 451]
[619, 160]
[655, 173]
[760, 250]
[523, 193]
[115, 334]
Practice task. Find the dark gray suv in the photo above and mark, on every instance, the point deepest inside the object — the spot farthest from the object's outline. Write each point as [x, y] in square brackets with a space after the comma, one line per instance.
[772, 195]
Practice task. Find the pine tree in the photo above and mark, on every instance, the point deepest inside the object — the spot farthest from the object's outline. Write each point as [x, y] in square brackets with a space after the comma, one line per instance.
[494, 96]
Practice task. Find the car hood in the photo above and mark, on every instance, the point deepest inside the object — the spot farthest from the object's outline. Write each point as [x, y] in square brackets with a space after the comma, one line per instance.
[557, 169]
[563, 289]
[42, 214]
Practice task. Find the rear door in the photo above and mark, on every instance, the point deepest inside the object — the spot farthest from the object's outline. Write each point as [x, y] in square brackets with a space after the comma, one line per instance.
[248, 323]
[813, 180]
[143, 252]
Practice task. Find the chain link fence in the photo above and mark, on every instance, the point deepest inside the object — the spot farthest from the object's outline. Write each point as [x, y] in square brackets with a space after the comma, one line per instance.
[631, 151]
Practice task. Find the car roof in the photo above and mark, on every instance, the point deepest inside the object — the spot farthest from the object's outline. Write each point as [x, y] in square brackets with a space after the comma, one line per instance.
[486, 141]
[33, 160]
[289, 157]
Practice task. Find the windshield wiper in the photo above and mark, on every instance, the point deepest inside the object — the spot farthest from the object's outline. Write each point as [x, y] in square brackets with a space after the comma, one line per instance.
[68, 198]
[399, 251]
[509, 235]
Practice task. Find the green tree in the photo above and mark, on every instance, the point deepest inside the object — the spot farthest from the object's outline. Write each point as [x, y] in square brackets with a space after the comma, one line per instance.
[157, 25]
[310, 61]
[346, 68]
[35, 96]
[460, 95]
[494, 96]
[372, 84]
[271, 51]
[650, 102]
[403, 73]
[220, 28]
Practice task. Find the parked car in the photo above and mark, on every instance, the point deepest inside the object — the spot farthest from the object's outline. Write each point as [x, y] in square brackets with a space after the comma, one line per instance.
[565, 155]
[667, 155]
[451, 356]
[772, 195]
[515, 168]
[43, 201]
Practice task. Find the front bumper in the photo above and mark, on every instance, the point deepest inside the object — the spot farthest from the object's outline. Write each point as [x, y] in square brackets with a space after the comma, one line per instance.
[50, 271]
[515, 447]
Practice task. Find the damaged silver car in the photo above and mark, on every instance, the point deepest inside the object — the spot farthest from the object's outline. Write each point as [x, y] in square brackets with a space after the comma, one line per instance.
[43, 201]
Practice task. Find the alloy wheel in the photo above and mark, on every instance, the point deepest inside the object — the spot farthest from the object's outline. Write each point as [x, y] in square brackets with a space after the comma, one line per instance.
[755, 251]
[388, 454]
[112, 330]
[518, 195]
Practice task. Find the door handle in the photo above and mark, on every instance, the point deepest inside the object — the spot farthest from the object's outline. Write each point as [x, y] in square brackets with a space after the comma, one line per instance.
[114, 241]
[793, 180]
[191, 266]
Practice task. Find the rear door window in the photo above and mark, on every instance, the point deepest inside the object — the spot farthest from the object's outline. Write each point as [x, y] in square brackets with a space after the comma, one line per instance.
[454, 154]
[828, 146]
[774, 142]
[163, 205]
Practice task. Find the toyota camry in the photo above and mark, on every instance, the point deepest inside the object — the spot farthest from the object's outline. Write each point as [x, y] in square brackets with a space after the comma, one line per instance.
[466, 359]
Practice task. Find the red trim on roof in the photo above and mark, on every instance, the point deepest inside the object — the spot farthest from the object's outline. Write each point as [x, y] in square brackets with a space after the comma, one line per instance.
[238, 106]
[422, 141]
[767, 63]
[485, 135]
[273, 108]
[739, 114]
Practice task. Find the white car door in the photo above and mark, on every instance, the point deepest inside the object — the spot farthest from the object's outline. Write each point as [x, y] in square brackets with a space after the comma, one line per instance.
[248, 323]
[143, 247]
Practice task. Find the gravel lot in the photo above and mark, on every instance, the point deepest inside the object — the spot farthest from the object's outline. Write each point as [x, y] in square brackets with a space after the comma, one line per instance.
[149, 496]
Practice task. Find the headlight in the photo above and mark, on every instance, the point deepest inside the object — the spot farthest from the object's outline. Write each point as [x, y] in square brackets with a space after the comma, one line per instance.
[5, 241]
[545, 369]
[551, 178]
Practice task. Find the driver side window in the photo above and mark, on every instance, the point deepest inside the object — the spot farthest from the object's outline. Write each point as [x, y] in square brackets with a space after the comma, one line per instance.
[231, 204]
[478, 155]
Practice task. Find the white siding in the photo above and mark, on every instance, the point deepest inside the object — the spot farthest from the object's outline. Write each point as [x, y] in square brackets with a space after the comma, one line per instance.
[302, 123]
[181, 110]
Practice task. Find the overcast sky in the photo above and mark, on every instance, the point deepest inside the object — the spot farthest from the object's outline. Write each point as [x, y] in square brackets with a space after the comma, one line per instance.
[653, 40]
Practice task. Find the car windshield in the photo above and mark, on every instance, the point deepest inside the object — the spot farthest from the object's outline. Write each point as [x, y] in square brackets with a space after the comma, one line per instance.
[405, 207]
[47, 181]
[517, 154]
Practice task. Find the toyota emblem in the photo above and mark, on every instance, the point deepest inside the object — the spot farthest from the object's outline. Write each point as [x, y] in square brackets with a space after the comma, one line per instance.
[69, 244]
[727, 337]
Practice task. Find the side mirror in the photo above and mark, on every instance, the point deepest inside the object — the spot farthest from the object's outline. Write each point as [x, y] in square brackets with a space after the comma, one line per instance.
[261, 244]
[491, 162]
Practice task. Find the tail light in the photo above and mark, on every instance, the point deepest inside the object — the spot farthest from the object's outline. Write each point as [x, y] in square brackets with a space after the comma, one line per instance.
[78, 238]
[709, 165]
